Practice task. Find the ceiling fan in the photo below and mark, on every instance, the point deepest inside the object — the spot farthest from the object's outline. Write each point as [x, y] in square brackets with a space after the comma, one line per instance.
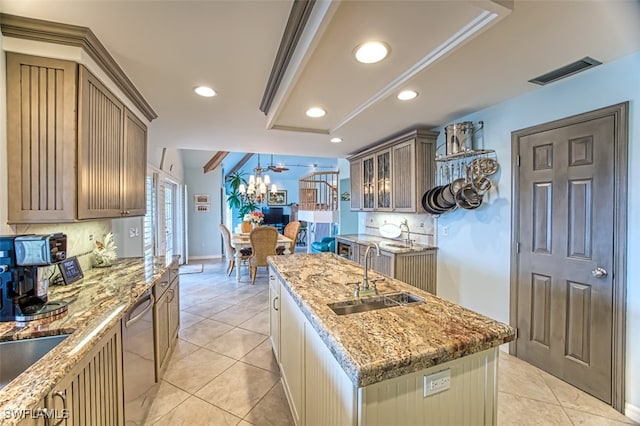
[276, 169]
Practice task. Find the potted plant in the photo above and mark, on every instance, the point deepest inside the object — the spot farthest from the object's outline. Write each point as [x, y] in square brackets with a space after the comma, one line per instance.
[234, 198]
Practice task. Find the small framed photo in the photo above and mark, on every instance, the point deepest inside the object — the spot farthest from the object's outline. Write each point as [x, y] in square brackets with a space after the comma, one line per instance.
[202, 198]
[277, 198]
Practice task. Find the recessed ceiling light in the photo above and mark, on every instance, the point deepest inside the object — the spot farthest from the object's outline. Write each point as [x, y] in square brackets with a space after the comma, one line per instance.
[316, 112]
[205, 91]
[407, 95]
[371, 52]
[336, 140]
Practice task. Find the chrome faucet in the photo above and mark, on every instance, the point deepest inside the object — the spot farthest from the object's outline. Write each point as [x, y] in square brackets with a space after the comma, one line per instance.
[408, 239]
[368, 286]
[369, 289]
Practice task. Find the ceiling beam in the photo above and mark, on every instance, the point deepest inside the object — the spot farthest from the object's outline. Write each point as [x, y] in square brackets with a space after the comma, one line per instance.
[238, 166]
[215, 161]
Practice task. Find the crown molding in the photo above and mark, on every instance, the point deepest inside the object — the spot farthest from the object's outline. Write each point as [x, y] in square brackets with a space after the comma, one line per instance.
[76, 36]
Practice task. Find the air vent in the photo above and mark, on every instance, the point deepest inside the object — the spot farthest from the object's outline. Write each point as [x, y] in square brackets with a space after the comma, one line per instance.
[565, 71]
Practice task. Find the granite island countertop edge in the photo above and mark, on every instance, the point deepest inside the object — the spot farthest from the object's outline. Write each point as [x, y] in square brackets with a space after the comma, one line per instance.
[363, 372]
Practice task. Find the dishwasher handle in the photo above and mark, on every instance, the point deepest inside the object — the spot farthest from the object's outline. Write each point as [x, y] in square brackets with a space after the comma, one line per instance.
[130, 321]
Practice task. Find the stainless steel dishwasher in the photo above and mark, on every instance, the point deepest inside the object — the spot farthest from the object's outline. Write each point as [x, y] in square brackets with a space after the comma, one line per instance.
[138, 365]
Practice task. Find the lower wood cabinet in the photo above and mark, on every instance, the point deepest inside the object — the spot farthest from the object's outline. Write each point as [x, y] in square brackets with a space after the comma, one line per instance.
[274, 315]
[417, 268]
[166, 318]
[92, 393]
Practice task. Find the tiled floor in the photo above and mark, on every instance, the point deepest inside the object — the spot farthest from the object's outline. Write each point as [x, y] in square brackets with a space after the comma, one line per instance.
[223, 373]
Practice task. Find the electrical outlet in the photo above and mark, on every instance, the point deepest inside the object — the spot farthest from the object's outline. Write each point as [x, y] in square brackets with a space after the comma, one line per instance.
[437, 382]
[90, 237]
[445, 230]
[421, 224]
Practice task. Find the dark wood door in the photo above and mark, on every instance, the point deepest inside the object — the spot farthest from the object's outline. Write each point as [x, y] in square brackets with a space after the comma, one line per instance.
[565, 256]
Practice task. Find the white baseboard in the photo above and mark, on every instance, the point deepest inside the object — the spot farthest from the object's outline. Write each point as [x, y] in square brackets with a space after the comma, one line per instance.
[632, 412]
[209, 257]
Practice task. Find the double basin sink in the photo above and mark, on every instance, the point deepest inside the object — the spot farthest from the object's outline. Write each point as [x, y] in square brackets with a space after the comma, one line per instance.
[18, 355]
[383, 301]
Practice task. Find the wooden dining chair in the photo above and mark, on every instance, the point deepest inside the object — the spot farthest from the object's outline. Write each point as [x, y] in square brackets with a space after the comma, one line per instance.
[230, 251]
[263, 243]
[246, 227]
[291, 232]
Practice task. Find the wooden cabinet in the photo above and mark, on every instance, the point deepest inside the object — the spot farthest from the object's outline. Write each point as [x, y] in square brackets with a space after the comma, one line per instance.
[274, 314]
[41, 139]
[417, 268]
[74, 150]
[355, 178]
[394, 174]
[92, 394]
[166, 318]
[292, 354]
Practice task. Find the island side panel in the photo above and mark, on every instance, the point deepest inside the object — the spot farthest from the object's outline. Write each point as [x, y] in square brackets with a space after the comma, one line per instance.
[470, 400]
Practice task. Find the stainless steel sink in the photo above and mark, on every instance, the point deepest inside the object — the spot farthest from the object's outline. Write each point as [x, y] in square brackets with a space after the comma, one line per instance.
[383, 301]
[18, 355]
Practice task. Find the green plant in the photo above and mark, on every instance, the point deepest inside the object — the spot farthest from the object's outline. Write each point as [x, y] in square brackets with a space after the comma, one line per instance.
[234, 198]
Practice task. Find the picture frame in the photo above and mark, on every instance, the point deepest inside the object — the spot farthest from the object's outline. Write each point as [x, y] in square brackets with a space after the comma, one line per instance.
[277, 198]
[202, 198]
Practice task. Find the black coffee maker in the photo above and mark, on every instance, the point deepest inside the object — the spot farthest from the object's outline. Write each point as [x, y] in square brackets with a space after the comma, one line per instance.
[24, 280]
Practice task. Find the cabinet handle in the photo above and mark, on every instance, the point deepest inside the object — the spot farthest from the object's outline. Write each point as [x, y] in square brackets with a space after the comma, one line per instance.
[163, 283]
[173, 295]
[63, 397]
[271, 277]
[274, 303]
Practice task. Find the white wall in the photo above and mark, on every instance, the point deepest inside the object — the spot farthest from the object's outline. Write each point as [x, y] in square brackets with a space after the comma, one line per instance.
[473, 259]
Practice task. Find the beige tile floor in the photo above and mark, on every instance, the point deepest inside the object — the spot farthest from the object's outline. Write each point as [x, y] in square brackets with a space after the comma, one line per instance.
[222, 371]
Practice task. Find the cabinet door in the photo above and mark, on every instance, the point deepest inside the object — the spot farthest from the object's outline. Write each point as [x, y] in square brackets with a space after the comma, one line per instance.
[134, 162]
[100, 144]
[173, 308]
[92, 394]
[161, 329]
[383, 180]
[41, 139]
[292, 354]
[274, 314]
[403, 178]
[355, 176]
[368, 183]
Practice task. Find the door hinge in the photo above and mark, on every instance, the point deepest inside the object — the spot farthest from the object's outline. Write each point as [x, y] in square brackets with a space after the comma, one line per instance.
[518, 247]
[518, 161]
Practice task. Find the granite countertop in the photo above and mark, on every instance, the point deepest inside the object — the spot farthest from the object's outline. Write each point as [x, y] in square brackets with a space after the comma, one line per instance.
[379, 345]
[97, 302]
[386, 244]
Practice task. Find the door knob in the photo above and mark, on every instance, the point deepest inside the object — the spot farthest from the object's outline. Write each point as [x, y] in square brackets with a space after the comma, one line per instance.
[599, 272]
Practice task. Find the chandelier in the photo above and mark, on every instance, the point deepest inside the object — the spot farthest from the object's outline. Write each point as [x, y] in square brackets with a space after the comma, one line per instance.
[256, 190]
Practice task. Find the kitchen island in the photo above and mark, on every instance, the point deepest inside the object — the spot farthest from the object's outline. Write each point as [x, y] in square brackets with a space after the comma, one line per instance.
[427, 363]
[97, 304]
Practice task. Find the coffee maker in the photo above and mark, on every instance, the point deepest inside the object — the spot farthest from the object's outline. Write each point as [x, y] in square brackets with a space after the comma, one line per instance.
[24, 278]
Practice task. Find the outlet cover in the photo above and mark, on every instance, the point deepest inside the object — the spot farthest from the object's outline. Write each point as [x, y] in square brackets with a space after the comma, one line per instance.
[437, 382]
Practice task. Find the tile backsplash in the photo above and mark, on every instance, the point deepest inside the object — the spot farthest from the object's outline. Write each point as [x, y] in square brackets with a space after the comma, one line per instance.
[422, 226]
[81, 236]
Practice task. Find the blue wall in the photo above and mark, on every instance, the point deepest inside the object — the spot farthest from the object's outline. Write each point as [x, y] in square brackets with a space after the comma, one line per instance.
[204, 234]
[473, 256]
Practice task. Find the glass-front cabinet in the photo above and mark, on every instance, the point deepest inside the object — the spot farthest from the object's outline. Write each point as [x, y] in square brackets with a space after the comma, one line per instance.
[383, 180]
[368, 183]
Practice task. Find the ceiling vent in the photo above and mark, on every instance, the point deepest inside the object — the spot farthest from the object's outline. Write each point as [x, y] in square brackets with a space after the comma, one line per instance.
[565, 71]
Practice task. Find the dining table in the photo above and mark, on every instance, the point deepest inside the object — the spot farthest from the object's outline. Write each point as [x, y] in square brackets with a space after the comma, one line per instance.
[241, 241]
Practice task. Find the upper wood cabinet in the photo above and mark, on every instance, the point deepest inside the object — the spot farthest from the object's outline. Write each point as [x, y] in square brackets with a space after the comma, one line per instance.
[41, 139]
[75, 151]
[394, 174]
